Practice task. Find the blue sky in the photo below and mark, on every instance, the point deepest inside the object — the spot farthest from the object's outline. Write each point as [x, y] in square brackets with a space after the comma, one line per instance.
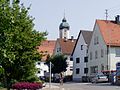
[80, 14]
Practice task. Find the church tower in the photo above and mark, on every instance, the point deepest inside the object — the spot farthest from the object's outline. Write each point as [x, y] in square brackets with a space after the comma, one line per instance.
[64, 29]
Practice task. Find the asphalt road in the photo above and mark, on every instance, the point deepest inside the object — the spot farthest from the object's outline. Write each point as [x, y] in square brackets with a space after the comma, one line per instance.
[82, 86]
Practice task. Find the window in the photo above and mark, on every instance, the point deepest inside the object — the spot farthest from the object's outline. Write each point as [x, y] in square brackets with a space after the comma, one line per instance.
[58, 49]
[96, 54]
[38, 71]
[90, 55]
[38, 63]
[81, 47]
[71, 68]
[94, 69]
[102, 67]
[77, 60]
[97, 39]
[87, 51]
[45, 71]
[85, 59]
[77, 70]
[71, 59]
[85, 70]
[94, 40]
[102, 53]
[117, 50]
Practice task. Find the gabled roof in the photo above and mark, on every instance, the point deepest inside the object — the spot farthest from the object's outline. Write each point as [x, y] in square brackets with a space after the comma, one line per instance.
[67, 45]
[87, 35]
[46, 48]
[110, 32]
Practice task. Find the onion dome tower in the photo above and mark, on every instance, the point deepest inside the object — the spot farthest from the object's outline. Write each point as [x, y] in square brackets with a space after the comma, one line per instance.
[64, 29]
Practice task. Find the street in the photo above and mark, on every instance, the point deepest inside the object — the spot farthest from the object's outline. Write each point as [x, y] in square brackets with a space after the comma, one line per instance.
[81, 86]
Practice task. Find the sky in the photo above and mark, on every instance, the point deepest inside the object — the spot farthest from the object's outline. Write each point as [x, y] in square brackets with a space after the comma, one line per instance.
[80, 14]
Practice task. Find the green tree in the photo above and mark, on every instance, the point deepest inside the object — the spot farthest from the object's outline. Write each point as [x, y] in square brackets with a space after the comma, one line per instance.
[18, 41]
[59, 63]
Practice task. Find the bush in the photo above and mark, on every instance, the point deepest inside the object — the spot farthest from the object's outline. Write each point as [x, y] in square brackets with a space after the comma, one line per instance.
[27, 85]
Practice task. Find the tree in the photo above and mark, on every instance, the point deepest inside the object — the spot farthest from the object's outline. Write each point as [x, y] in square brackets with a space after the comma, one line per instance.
[18, 41]
[59, 63]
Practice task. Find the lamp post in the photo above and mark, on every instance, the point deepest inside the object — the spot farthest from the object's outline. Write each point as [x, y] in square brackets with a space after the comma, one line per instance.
[50, 77]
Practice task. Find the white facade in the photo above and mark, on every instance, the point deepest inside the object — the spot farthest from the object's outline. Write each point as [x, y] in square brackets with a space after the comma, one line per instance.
[64, 33]
[70, 66]
[80, 53]
[99, 59]
[42, 68]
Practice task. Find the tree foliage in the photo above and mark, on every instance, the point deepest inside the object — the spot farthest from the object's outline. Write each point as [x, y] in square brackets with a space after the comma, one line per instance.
[18, 41]
[59, 63]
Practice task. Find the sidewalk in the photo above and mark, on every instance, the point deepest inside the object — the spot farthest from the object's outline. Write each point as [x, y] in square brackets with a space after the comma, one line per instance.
[53, 87]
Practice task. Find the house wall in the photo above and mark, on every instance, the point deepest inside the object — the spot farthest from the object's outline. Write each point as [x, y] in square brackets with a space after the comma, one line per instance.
[42, 67]
[70, 66]
[78, 53]
[113, 58]
[100, 62]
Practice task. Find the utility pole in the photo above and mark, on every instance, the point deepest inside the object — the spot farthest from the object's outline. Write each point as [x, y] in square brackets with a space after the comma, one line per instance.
[106, 14]
[50, 77]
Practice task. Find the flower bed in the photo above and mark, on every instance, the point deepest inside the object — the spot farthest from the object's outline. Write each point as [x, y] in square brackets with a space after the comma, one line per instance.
[27, 85]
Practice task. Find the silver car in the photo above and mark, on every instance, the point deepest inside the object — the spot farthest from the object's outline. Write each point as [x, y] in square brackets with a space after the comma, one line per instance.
[99, 78]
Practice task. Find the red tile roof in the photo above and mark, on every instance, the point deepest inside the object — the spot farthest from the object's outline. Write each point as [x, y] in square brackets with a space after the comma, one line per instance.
[67, 45]
[110, 32]
[46, 48]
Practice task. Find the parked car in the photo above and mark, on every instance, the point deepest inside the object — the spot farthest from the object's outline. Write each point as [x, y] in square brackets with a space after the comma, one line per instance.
[99, 78]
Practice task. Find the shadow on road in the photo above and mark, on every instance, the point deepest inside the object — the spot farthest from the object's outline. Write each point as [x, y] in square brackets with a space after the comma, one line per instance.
[100, 84]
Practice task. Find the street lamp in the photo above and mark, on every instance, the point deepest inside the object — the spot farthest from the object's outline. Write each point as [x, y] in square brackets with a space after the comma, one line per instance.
[50, 77]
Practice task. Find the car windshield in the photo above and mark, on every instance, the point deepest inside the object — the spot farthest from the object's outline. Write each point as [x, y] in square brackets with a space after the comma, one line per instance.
[101, 76]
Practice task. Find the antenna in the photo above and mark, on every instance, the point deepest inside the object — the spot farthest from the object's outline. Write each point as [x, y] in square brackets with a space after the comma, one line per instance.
[106, 14]
[64, 13]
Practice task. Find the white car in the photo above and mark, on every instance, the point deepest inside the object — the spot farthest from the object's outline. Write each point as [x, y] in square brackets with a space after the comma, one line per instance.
[99, 78]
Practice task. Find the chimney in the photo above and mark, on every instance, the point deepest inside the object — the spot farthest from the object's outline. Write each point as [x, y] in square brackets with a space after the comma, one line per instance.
[117, 19]
[72, 38]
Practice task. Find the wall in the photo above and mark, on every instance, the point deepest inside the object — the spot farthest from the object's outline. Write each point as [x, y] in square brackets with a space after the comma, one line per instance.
[78, 53]
[41, 67]
[100, 61]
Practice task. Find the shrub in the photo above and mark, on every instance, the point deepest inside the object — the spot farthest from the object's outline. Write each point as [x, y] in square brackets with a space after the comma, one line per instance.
[27, 85]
